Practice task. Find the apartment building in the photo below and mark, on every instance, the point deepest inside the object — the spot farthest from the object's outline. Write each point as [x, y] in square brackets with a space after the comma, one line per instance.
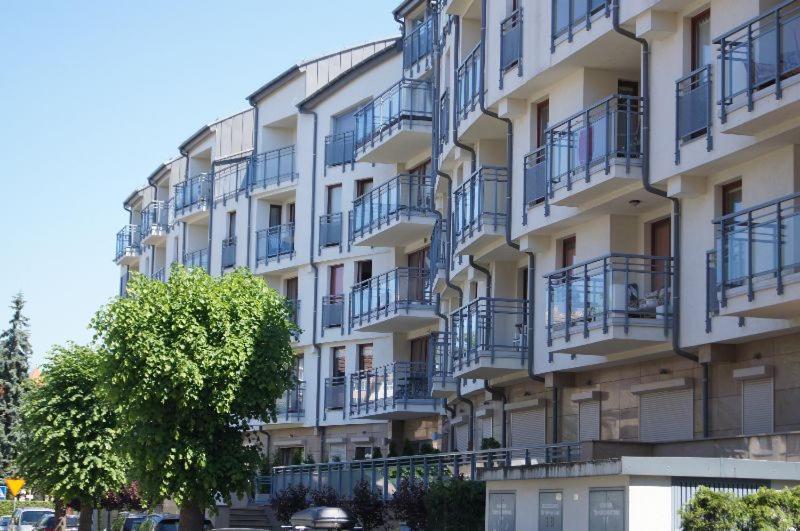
[580, 222]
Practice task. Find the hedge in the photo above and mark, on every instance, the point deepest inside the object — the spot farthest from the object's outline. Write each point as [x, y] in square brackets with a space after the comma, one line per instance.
[7, 506]
[767, 509]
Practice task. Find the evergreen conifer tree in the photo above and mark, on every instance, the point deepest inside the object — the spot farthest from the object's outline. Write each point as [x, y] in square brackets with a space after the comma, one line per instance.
[15, 351]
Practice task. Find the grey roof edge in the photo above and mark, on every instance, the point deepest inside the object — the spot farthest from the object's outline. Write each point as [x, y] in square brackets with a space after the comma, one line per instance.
[405, 7]
[274, 84]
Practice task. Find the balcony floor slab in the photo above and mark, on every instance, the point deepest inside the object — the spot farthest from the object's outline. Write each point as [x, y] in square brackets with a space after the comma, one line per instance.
[413, 409]
[600, 183]
[484, 367]
[400, 320]
[398, 232]
[402, 142]
[766, 303]
[642, 332]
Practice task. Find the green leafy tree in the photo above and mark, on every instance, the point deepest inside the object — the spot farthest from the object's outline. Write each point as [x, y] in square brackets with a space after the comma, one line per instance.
[68, 432]
[15, 351]
[191, 362]
[711, 510]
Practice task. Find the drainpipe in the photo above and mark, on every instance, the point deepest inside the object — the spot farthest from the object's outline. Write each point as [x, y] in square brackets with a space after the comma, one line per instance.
[704, 397]
[461, 398]
[452, 412]
[485, 271]
[456, 44]
[250, 199]
[509, 185]
[496, 391]
[211, 220]
[555, 414]
[320, 429]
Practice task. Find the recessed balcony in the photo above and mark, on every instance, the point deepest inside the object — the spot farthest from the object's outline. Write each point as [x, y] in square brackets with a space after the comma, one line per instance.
[489, 338]
[397, 301]
[193, 198]
[340, 150]
[275, 248]
[155, 223]
[197, 258]
[418, 49]
[330, 231]
[759, 64]
[758, 260]
[273, 173]
[129, 246]
[443, 382]
[290, 408]
[394, 214]
[479, 210]
[396, 126]
[608, 305]
[393, 392]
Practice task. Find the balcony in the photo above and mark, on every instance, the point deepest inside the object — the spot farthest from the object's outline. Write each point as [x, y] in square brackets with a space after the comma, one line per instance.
[758, 63]
[197, 258]
[511, 44]
[489, 338]
[340, 150]
[468, 84]
[442, 381]
[332, 312]
[396, 391]
[335, 397]
[290, 408]
[396, 213]
[397, 301]
[758, 260]
[615, 303]
[275, 246]
[193, 198]
[418, 48]
[395, 126]
[273, 173]
[228, 252]
[129, 247]
[570, 16]
[479, 210]
[595, 152]
[330, 231]
[693, 103]
[230, 179]
[155, 223]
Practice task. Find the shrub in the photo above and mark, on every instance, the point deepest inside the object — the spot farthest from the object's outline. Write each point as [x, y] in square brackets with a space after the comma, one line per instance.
[772, 509]
[408, 504]
[710, 510]
[455, 505]
[408, 448]
[325, 497]
[489, 443]
[289, 501]
[367, 506]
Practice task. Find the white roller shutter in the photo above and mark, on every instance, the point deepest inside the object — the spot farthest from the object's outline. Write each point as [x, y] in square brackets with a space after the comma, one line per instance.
[666, 415]
[757, 406]
[589, 420]
[487, 428]
[528, 428]
[462, 437]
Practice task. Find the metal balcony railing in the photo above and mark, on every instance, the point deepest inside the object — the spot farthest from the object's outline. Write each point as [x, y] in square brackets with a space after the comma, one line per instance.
[389, 387]
[229, 252]
[384, 474]
[193, 192]
[405, 195]
[160, 275]
[615, 289]
[570, 15]
[441, 372]
[511, 43]
[230, 178]
[480, 202]
[332, 311]
[439, 247]
[128, 242]
[275, 244]
[535, 185]
[468, 84]
[407, 100]
[757, 244]
[488, 326]
[340, 149]
[330, 230]
[291, 407]
[693, 103]
[293, 305]
[398, 290]
[607, 132]
[444, 121]
[335, 392]
[763, 52]
[418, 45]
[273, 168]
[198, 258]
[155, 219]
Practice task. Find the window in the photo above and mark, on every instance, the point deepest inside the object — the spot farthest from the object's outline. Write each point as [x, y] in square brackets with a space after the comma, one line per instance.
[363, 186]
[333, 203]
[419, 350]
[339, 361]
[660, 245]
[345, 122]
[542, 120]
[365, 357]
[419, 259]
[336, 280]
[299, 365]
[732, 197]
[702, 50]
[231, 224]
[568, 249]
[275, 215]
[421, 169]
[364, 452]
[363, 270]
[291, 288]
[628, 88]
[291, 212]
[607, 510]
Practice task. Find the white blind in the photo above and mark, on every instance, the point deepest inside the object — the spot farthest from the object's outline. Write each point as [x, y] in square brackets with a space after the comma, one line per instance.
[589, 420]
[757, 406]
[666, 415]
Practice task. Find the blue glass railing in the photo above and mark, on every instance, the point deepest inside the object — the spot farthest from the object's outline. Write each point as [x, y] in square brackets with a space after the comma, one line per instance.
[128, 242]
[193, 193]
[391, 387]
[405, 195]
[400, 289]
[275, 244]
[406, 101]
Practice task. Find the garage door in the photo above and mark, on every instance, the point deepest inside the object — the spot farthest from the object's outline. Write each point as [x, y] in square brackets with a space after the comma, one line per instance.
[666, 415]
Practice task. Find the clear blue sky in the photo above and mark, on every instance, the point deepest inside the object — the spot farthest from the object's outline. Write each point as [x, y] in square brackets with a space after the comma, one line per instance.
[94, 94]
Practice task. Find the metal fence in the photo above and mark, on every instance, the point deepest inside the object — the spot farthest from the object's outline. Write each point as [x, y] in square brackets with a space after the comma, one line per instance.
[398, 290]
[492, 327]
[444, 121]
[391, 387]
[408, 100]
[761, 53]
[335, 395]
[480, 202]
[693, 103]
[405, 195]
[615, 289]
[275, 244]
[230, 178]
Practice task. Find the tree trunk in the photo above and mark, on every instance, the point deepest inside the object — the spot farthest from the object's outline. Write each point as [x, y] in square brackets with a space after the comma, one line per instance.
[61, 515]
[86, 516]
[192, 517]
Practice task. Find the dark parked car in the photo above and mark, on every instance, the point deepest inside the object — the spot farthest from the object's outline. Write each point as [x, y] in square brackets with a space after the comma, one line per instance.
[167, 522]
[50, 522]
[127, 521]
[4, 521]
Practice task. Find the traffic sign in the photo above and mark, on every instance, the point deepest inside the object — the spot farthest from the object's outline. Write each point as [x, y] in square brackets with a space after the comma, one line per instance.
[15, 485]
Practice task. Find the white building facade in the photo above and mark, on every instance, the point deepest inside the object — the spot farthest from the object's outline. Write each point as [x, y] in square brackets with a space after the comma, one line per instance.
[563, 229]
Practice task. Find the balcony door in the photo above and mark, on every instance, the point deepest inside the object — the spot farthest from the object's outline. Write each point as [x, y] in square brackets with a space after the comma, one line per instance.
[417, 263]
[660, 245]
[291, 289]
[336, 281]
[365, 357]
